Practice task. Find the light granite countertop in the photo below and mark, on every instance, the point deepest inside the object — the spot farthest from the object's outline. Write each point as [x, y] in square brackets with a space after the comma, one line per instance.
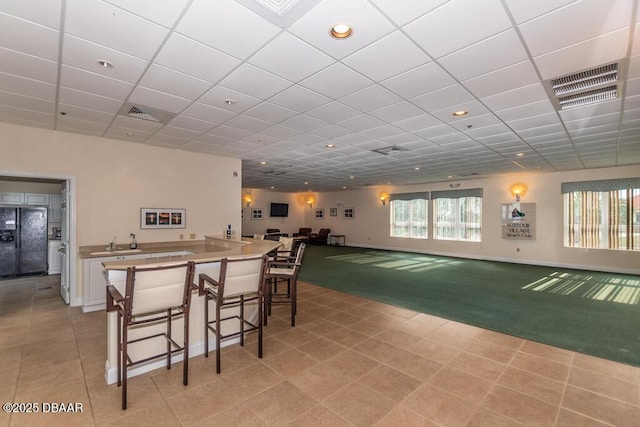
[211, 249]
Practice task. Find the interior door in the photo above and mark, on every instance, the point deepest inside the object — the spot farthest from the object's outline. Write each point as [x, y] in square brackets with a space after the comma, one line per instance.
[64, 243]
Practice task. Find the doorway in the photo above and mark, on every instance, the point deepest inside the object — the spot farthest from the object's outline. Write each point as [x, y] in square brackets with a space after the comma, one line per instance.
[60, 224]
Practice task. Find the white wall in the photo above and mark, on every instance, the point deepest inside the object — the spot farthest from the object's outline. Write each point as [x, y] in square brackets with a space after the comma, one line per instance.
[114, 179]
[261, 199]
[370, 226]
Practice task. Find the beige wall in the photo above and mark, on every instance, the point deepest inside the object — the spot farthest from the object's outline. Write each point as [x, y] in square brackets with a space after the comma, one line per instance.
[114, 179]
[370, 227]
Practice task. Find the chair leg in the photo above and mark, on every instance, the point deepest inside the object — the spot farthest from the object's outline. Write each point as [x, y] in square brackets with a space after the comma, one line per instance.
[169, 340]
[260, 303]
[206, 326]
[119, 356]
[241, 321]
[125, 338]
[267, 301]
[185, 351]
[294, 301]
[218, 337]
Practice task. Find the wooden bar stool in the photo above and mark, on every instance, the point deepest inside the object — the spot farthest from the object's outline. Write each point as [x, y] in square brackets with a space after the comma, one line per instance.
[283, 269]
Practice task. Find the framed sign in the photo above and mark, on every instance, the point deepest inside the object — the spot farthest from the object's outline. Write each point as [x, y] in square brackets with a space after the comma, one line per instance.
[519, 221]
[163, 218]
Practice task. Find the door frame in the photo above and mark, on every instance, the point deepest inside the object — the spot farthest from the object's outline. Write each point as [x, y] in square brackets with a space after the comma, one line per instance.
[72, 249]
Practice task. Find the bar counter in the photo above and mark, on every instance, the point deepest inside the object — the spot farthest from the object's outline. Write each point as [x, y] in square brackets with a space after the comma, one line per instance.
[207, 256]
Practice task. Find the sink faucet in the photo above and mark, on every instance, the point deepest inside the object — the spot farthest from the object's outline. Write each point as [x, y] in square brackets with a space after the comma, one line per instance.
[113, 245]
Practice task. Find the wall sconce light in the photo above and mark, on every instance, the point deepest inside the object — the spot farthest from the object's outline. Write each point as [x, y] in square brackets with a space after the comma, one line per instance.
[310, 202]
[247, 200]
[384, 198]
[518, 190]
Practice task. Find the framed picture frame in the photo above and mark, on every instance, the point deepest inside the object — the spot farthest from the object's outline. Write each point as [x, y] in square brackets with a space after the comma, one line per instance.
[256, 213]
[333, 212]
[155, 218]
[319, 214]
[348, 213]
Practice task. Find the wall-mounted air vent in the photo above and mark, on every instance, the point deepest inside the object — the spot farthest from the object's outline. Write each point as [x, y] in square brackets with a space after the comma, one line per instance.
[586, 87]
[145, 113]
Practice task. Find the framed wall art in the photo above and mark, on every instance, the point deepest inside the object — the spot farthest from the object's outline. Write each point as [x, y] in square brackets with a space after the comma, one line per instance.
[256, 213]
[163, 218]
[319, 213]
[333, 211]
[348, 213]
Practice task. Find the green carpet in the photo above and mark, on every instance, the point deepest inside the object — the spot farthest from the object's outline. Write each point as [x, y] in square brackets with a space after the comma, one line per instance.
[589, 312]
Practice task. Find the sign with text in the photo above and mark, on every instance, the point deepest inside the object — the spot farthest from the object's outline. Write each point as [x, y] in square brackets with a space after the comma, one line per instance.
[519, 221]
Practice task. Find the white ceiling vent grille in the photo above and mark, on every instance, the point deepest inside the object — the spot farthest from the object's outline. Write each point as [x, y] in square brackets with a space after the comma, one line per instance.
[145, 113]
[389, 150]
[586, 87]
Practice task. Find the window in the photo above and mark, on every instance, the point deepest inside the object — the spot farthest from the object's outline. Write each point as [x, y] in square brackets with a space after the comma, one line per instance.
[409, 215]
[602, 214]
[457, 215]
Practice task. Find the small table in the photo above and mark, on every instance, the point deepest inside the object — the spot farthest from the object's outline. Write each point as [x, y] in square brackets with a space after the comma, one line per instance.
[337, 239]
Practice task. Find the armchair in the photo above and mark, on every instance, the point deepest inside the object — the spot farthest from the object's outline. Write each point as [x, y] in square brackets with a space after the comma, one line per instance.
[303, 232]
[319, 238]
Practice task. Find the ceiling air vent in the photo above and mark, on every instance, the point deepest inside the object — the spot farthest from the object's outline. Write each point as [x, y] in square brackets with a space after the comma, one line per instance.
[389, 150]
[145, 113]
[586, 87]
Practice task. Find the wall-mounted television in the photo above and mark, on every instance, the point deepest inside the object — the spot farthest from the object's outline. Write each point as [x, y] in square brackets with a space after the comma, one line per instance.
[279, 210]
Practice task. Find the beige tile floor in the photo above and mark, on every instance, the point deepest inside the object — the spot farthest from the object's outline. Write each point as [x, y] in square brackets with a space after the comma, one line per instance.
[349, 361]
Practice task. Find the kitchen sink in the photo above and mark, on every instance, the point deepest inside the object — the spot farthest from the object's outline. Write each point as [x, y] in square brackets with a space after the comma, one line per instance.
[117, 252]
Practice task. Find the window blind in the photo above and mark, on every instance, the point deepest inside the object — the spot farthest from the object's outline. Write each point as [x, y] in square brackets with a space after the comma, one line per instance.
[456, 194]
[409, 196]
[600, 185]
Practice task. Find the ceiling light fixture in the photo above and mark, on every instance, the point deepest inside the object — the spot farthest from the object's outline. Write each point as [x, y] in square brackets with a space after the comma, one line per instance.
[263, 162]
[341, 31]
[330, 146]
[229, 101]
[105, 64]
[460, 113]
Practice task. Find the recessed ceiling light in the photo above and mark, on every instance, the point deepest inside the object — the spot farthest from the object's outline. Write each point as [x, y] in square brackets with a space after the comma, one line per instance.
[273, 188]
[306, 183]
[352, 177]
[417, 168]
[263, 162]
[330, 146]
[128, 133]
[520, 154]
[460, 113]
[341, 31]
[229, 101]
[344, 187]
[105, 64]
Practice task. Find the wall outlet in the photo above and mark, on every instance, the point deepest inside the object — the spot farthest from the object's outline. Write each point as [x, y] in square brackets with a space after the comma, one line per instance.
[192, 235]
[182, 237]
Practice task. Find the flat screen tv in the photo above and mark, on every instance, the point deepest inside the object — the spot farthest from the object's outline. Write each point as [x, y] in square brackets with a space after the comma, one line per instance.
[279, 209]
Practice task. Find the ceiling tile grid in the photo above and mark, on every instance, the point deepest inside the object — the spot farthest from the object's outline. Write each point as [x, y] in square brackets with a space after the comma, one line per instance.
[267, 83]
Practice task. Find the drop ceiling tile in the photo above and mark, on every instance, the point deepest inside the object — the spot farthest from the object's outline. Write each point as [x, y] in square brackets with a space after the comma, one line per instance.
[34, 39]
[419, 81]
[165, 141]
[387, 57]
[360, 123]
[227, 26]
[526, 110]
[540, 130]
[84, 114]
[534, 122]
[336, 81]
[488, 128]
[330, 131]
[190, 123]
[304, 123]
[270, 112]
[248, 123]
[114, 29]
[450, 96]
[381, 132]
[77, 79]
[401, 12]
[575, 23]
[491, 54]
[195, 59]
[158, 100]
[229, 132]
[418, 122]
[290, 66]
[504, 79]
[31, 67]
[163, 12]
[136, 125]
[299, 99]
[85, 55]
[524, 11]
[280, 132]
[45, 12]
[368, 25]
[397, 112]
[608, 107]
[475, 109]
[182, 85]
[591, 53]
[589, 122]
[435, 131]
[516, 97]
[27, 87]
[370, 98]
[470, 21]
[217, 96]
[207, 113]
[254, 82]
[88, 100]
[176, 132]
[333, 112]
[125, 133]
[632, 88]
[27, 103]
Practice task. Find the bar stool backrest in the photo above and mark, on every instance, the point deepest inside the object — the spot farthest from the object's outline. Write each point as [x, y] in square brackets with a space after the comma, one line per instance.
[241, 276]
[155, 289]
